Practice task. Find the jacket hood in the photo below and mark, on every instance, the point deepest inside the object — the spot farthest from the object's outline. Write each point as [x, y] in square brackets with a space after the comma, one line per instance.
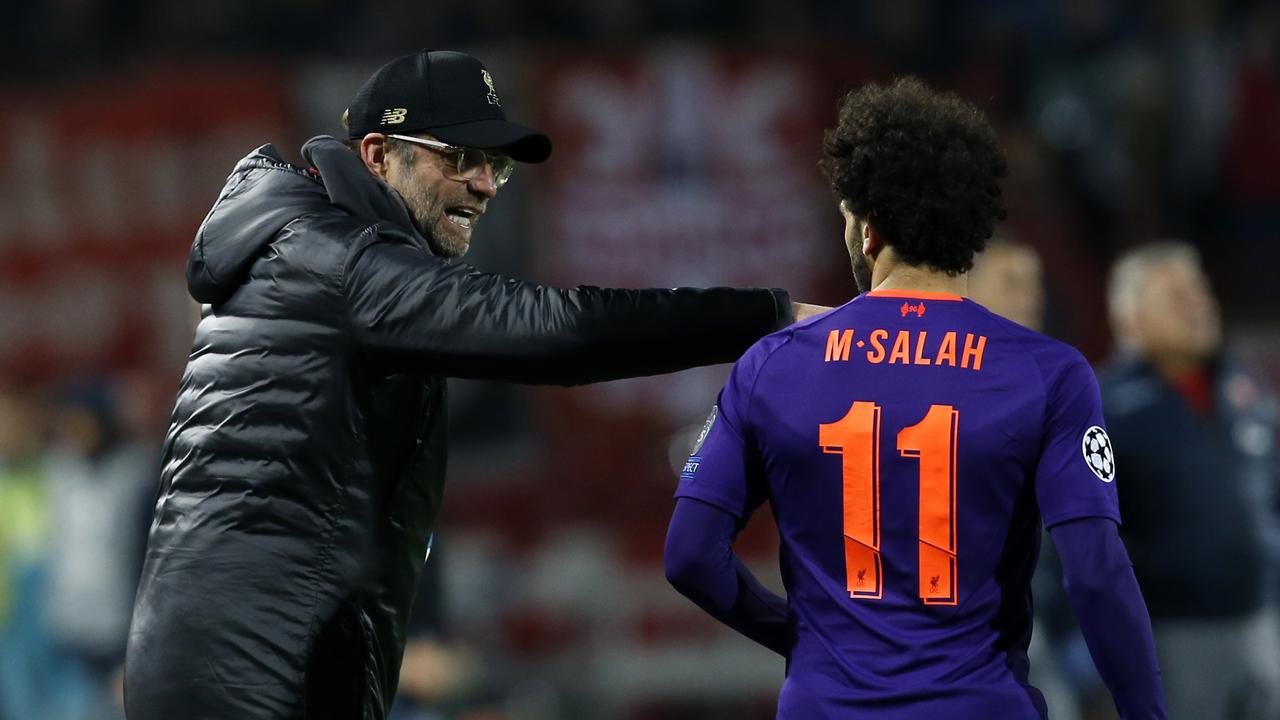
[264, 193]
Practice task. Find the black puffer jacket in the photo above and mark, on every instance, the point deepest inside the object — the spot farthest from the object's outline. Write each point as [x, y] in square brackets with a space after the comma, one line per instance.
[305, 460]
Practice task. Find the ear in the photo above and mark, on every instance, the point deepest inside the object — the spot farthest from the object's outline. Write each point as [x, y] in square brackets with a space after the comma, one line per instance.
[872, 241]
[373, 153]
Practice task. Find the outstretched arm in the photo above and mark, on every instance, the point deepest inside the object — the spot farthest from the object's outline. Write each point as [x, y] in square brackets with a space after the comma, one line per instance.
[700, 563]
[804, 311]
[468, 323]
[1103, 591]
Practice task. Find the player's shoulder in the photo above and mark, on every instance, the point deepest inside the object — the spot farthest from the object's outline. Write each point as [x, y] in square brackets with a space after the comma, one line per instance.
[1048, 351]
[769, 345]
[774, 346]
[1059, 363]
[762, 350]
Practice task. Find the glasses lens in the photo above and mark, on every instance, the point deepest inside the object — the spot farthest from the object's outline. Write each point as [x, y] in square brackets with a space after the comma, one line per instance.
[471, 162]
[502, 167]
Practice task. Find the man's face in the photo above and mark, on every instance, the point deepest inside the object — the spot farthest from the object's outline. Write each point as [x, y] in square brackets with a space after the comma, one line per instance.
[1176, 314]
[853, 241]
[445, 209]
[1007, 281]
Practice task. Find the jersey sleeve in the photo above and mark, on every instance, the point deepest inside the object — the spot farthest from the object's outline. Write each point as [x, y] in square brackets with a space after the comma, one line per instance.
[1075, 477]
[724, 469]
[1098, 578]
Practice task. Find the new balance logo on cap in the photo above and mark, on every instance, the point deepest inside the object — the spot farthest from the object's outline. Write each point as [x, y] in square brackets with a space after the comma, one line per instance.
[393, 116]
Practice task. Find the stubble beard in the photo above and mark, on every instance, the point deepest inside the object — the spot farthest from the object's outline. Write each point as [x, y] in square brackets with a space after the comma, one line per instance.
[428, 215]
[426, 211]
[861, 271]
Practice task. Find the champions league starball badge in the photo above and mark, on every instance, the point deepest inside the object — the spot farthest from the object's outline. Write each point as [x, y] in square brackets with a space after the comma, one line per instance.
[695, 460]
[706, 429]
[1096, 447]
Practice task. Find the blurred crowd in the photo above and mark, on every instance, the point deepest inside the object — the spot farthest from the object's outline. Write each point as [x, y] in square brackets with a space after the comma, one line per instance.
[1125, 123]
[76, 485]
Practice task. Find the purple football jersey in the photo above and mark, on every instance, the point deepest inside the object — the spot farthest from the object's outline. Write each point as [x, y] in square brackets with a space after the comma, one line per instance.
[909, 445]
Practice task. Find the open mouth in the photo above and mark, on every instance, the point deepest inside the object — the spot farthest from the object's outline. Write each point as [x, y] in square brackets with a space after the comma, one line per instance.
[462, 216]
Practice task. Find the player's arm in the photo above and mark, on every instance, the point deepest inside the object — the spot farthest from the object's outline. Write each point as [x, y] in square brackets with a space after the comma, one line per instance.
[721, 486]
[1076, 491]
[468, 323]
[1104, 593]
[700, 564]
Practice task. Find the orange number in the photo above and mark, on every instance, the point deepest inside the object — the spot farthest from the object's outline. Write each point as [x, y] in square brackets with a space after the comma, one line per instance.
[933, 441]
[856, 437]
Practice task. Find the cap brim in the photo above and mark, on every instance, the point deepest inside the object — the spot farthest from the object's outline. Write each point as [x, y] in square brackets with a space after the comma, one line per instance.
[521, 143]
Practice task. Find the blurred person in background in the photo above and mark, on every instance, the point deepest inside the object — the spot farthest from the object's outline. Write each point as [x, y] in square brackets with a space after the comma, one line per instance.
[1007, 279]
[38, 679]
[101, 481]
[1195, 439]
[304, 464]
[909, 485]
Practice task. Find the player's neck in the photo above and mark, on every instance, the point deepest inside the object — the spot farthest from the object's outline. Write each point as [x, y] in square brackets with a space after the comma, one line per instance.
[889, 273]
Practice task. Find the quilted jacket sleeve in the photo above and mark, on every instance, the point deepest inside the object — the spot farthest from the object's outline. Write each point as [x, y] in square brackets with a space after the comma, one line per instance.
[467, 323]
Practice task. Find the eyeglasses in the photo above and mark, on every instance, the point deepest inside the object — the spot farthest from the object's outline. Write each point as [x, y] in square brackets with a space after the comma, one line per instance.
[469, 162]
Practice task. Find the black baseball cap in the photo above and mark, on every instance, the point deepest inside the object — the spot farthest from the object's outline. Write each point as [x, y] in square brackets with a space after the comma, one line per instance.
[450, 94]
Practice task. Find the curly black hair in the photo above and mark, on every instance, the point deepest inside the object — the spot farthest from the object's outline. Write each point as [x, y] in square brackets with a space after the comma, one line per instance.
[922, 167]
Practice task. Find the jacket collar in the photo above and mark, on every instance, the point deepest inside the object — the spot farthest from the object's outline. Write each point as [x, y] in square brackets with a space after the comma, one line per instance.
[355, 190]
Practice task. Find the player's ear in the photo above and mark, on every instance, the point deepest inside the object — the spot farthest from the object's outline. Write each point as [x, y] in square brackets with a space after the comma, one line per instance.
[373, 153]
[872, 242]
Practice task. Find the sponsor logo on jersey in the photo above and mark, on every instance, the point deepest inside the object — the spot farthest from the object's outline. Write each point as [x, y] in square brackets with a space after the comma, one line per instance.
[1096, 447]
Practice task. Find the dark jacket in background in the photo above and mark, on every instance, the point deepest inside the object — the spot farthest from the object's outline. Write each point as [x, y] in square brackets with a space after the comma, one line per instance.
[1196, 491]
[305, 460]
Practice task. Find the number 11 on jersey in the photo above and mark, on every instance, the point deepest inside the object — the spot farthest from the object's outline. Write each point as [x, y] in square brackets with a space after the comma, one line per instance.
[932, 441]
[856, 438]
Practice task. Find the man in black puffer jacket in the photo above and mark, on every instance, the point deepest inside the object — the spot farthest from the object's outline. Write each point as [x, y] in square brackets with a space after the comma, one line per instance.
[304, 464]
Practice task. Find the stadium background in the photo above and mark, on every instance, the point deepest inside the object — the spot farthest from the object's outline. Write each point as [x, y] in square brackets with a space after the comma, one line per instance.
[687, 135]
